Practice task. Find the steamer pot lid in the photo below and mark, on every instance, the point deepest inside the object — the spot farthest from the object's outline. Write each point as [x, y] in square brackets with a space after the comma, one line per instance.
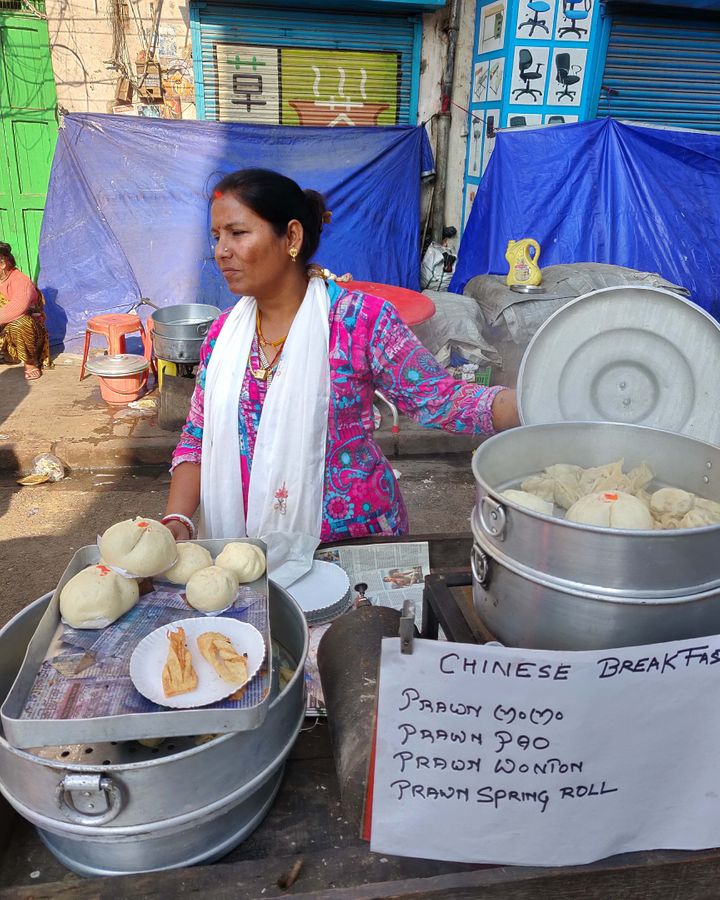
[637, 355]
[117, 366]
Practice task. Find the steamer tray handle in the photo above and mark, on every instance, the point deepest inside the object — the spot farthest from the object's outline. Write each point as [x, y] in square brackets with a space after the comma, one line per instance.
[78, 795]
[492, 517]
[479, 565]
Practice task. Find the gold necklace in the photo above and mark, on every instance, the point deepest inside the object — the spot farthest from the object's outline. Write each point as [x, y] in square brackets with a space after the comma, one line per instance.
[264, 373]
[261, 337]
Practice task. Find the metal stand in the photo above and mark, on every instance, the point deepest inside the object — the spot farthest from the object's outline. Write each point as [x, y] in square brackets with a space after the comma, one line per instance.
[393, 410]
[452, 609]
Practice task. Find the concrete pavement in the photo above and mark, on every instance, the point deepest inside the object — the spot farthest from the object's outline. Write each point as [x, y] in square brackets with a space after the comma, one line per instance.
[62, 415]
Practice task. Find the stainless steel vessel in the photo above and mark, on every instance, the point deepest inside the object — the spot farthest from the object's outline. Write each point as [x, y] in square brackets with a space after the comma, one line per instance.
[178, 331]
[541, 581]
[120, 808]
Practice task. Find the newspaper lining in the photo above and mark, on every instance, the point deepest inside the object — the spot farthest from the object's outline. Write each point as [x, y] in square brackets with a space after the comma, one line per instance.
[381, 574]
[85, 674]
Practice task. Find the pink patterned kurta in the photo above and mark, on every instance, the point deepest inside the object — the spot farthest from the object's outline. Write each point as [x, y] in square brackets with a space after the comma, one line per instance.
[370, 348]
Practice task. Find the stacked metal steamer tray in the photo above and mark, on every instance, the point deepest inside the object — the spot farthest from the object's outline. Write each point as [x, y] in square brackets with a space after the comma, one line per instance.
[179, 331]
[632, 373]
[106, 804]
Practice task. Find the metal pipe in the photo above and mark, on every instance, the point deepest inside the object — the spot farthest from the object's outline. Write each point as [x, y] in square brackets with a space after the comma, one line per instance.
[444, 118]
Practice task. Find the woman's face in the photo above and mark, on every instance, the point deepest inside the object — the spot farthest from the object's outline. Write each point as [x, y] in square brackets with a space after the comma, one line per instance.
[251, 256]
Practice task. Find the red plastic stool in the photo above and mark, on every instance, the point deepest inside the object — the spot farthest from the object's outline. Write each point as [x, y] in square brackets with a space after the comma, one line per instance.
[113, 327]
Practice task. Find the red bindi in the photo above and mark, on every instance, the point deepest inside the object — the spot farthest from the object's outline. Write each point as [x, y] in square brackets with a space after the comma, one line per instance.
[143, 524]
[217, 195]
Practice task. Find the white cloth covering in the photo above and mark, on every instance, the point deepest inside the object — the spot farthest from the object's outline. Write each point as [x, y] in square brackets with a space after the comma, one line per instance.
[288, 466]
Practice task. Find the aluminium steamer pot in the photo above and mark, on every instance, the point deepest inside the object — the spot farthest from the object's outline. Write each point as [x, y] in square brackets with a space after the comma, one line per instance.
[624, 563]
[178, 331]
[185, 321]
[525, 608]
[543, 582]
[182, 350]
[139, 809]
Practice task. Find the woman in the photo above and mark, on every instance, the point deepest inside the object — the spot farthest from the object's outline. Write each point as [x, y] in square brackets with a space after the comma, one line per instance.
[23, 335]
[281, 420]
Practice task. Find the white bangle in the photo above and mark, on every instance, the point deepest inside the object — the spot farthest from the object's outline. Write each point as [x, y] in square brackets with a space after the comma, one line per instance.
[179, 517]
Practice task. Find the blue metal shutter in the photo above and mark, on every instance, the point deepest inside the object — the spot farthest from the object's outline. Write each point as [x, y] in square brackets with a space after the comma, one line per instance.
[393, 40]
[664, 68]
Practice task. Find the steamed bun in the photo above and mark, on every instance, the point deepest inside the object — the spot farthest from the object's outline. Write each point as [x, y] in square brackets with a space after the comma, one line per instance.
[699, 518]
[191, 558]
[245, 561]
[141, 546]
[611, 510]
[529, 501]
[96, 597]
[211, 589]
[671, 501]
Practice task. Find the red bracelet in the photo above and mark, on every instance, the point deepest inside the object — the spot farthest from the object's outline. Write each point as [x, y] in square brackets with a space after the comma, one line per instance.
[184, 520]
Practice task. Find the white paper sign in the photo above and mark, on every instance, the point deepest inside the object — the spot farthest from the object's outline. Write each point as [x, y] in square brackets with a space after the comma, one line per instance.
[543, 758]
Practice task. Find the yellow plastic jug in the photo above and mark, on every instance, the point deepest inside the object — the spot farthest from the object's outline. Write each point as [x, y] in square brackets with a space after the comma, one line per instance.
[523, 265]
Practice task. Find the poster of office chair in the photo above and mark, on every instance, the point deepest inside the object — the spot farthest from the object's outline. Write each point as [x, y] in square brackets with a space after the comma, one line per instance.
[535, 20]
[529, 76]
[574, 21]
[567, 76]
[522, 120]
[559, 119]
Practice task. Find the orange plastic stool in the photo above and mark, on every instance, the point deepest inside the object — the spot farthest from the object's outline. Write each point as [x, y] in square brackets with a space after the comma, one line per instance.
[113, 327]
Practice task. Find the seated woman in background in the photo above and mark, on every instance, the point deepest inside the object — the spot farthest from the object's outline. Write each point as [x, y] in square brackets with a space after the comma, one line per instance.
[23, 335]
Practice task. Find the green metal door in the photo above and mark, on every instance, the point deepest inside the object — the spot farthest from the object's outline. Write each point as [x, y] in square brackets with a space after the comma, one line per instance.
[28, 129]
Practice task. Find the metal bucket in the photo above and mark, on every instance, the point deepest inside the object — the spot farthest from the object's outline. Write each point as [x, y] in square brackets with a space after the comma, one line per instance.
[541, 581]
[121, 808]
[179, 331]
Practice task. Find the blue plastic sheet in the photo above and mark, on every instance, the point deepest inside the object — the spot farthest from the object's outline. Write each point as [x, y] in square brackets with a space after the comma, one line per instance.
[606, 192]
[127, 213]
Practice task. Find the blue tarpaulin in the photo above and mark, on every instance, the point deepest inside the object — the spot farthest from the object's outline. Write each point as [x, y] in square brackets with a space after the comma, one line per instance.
[602, 191]
[127, 214]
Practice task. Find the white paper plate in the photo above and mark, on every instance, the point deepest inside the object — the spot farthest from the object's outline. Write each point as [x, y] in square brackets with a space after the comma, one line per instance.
[323, 586]
[150, 655]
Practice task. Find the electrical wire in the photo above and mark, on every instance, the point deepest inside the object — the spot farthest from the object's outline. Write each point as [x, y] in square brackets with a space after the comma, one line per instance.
[33, 9]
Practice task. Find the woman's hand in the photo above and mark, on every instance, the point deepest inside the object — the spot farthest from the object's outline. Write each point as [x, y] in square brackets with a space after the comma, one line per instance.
[179, 530]
[504, 410]
[183, 500]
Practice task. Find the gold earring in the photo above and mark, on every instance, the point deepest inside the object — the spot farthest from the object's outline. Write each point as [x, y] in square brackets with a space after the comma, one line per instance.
[293, 254]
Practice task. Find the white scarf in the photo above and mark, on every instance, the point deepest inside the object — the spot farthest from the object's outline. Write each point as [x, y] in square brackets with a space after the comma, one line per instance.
[288, 466]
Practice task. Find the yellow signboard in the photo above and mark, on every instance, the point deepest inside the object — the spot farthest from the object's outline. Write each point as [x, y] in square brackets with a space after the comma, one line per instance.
[305, 86]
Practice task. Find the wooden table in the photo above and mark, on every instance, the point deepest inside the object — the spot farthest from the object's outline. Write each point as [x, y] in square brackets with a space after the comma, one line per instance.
[306, 823]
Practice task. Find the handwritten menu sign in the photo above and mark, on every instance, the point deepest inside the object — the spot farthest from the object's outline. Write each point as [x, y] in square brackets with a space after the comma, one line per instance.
[529, 757]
